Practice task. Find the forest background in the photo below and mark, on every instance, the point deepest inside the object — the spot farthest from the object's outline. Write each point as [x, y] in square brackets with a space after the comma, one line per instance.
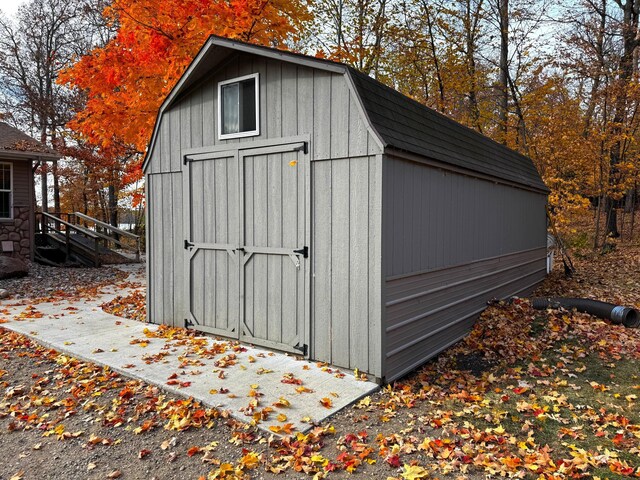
[557, 81]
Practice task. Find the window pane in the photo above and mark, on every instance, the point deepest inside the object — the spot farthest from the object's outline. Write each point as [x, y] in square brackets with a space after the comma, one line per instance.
[5, 206]
[248, 105]
[5, 177]
[230, 108]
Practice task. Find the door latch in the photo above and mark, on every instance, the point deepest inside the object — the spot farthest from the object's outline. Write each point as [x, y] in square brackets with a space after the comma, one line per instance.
[304, 251]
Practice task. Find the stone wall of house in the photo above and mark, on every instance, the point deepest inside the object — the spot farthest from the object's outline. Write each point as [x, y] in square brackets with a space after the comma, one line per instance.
[17, 231]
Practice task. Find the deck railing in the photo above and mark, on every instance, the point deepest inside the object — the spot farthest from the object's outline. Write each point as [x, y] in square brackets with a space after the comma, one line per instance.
[103, 229]
[50, 223]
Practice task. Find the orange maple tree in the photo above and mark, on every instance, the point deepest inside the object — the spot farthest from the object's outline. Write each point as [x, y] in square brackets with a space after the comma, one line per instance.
[127, 79]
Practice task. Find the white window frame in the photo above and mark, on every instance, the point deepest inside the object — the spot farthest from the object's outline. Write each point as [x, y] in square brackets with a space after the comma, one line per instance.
[251, 133]
[10, 217]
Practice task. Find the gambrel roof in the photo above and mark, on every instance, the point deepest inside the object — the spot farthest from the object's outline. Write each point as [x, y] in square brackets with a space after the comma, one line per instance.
[398, 122]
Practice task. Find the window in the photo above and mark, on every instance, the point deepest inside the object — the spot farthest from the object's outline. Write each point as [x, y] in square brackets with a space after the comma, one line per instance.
[238, 114]
[5, 190]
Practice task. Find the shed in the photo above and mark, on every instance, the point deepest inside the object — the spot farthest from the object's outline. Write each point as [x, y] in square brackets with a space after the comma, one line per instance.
[298, 204]
[18, 151]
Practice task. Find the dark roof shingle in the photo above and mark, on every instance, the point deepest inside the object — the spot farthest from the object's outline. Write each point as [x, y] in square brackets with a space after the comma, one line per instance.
[407, 125]
[13, 140]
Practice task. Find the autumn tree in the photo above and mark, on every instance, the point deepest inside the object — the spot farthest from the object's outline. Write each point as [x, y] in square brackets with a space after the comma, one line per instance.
[599, 46]
[353, 31]
[34, 48]
[126, 80]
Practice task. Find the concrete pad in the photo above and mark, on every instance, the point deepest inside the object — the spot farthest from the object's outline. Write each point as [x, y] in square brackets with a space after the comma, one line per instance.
[196, 366]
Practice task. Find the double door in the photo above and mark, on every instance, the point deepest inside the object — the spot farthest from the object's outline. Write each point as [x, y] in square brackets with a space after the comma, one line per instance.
[247, 248]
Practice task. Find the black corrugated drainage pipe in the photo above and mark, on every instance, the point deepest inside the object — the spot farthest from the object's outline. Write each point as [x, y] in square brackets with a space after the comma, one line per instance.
[617, 314]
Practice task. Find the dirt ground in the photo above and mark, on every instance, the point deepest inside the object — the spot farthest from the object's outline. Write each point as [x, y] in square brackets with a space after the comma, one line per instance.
[466, 414]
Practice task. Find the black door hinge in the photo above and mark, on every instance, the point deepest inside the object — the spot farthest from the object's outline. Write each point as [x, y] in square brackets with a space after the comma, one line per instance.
[187, 244]
[302, 348]
[187, 323]
[304, 148]
[185, 160]
[304, 251]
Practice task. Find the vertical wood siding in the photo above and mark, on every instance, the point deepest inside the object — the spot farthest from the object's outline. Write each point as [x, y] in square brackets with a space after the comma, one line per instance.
[451, 242]
[346, 288]
[294, 100]
[346, 200]
[165, 249]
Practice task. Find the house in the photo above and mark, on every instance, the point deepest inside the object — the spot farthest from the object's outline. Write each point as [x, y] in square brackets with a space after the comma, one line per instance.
[18, 152]
[298, 204]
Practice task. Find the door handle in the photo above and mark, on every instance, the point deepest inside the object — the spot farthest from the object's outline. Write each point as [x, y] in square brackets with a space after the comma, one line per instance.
[304, 251]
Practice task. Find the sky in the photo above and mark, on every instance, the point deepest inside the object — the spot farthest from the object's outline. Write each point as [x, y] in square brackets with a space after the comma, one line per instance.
[10, 7]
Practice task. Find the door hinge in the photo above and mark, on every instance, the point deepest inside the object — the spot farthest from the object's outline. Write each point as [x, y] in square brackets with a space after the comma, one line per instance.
[304, 148]
[187, 323]
[302, 348]
[304, 251]
[187, 244]
[185, 159]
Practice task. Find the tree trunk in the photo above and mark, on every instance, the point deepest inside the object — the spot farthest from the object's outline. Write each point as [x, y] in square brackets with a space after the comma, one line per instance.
[113, 207]
[595, 86]
[56, 186]
[626, 69]
[612, 218]
[470, 27]
[503, 11]
[436, 63]
[44, 188]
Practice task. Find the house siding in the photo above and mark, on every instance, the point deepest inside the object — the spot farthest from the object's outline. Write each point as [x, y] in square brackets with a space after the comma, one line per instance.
[451, 243]
[19, 229]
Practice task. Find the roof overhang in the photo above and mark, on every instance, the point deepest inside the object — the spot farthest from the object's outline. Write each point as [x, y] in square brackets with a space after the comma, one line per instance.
[414, 157]
[214, 52]
[25, 156]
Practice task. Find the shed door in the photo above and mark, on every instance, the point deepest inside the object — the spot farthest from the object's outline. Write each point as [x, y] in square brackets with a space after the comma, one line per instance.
[247, 253]
[213, 273]
[274, 273]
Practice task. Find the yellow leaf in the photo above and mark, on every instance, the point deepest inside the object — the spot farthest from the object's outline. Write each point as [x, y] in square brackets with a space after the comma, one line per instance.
[413, 472]
[250, 461]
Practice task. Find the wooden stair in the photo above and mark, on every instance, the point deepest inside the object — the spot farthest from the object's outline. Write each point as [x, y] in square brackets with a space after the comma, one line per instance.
[64, 242]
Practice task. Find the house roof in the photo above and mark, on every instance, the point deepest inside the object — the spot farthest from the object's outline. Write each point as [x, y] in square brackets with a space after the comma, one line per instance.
[14, 141]
[396, 120]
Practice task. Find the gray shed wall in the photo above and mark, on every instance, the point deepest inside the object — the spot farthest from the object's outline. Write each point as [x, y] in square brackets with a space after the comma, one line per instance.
[347, 272]
[346, 169]
[450, 243]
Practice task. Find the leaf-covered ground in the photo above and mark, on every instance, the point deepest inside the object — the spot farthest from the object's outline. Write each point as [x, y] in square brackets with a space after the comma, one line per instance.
[528, 394]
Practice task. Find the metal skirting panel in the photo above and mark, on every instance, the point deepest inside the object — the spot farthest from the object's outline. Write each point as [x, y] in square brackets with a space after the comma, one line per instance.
[427, 312]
